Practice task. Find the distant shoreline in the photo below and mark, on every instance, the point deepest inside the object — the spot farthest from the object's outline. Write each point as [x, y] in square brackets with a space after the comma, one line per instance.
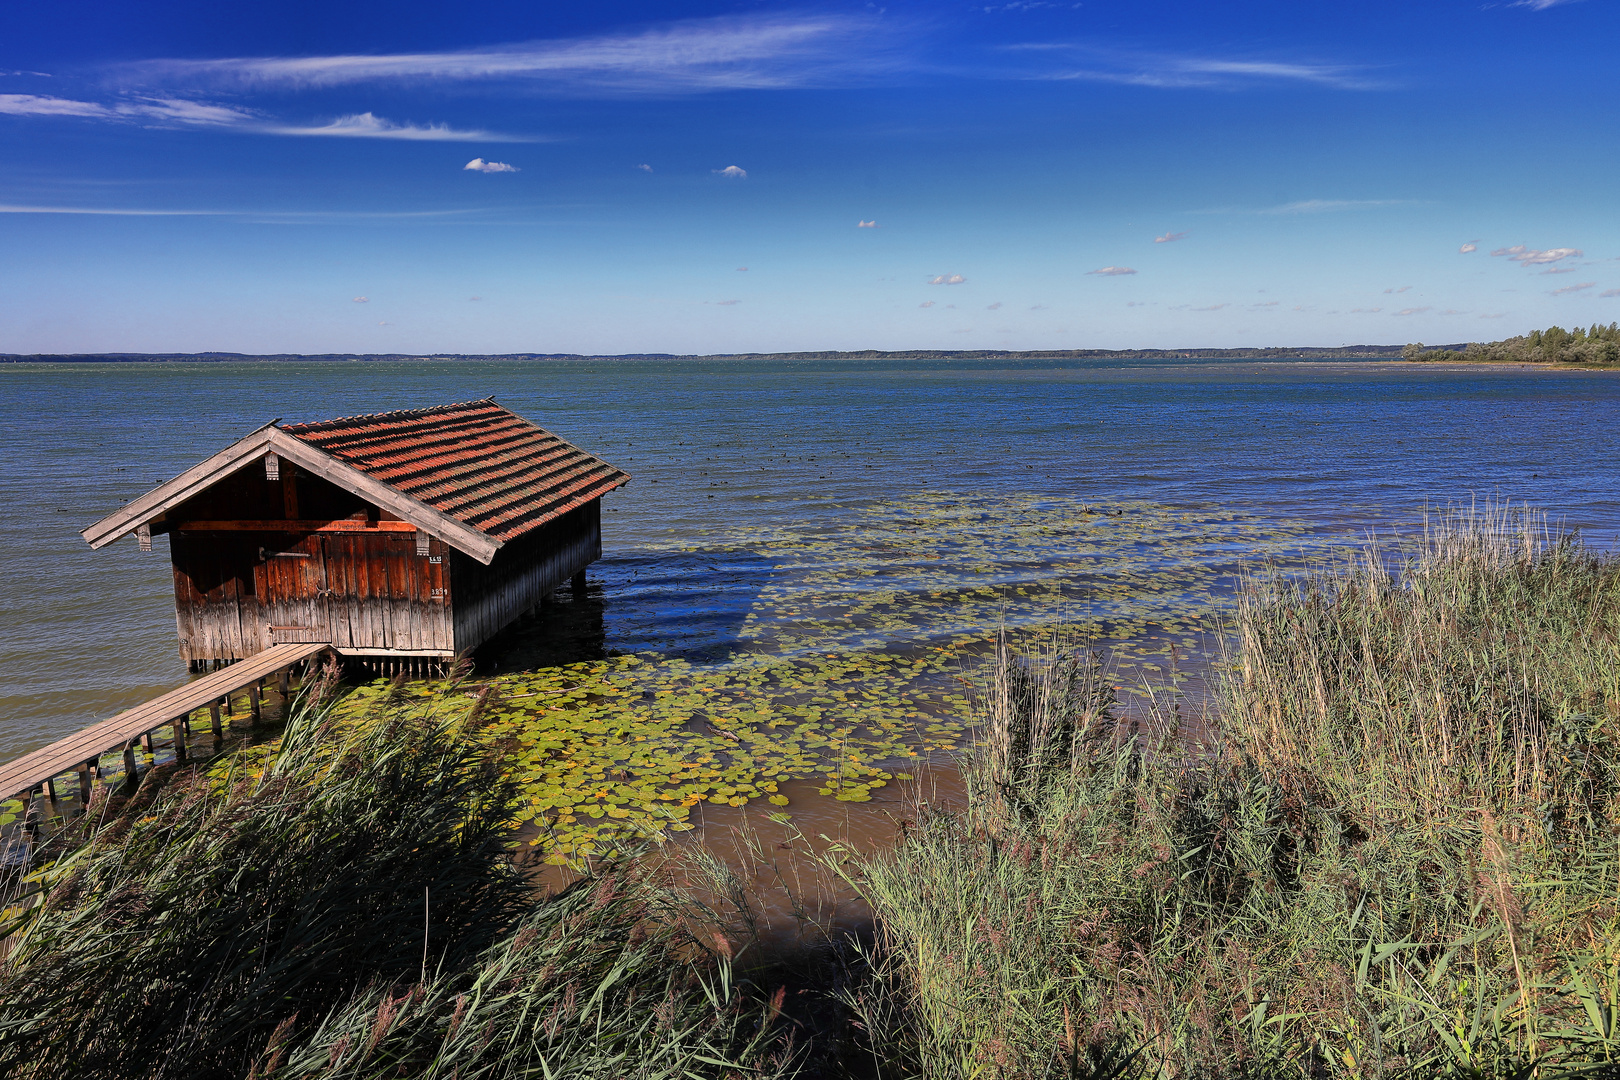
[1347, 352]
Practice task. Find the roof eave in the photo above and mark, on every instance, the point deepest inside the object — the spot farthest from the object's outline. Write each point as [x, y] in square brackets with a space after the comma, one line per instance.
[269, 438]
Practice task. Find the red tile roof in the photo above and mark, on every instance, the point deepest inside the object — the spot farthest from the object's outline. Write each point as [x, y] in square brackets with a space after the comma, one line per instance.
[473, 461]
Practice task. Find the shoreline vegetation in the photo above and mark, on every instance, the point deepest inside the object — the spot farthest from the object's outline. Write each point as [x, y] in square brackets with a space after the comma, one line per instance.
[1390, 852]
[1596, 346]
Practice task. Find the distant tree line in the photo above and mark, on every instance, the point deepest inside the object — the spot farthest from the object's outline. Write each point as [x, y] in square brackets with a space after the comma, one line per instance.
[1598, 345]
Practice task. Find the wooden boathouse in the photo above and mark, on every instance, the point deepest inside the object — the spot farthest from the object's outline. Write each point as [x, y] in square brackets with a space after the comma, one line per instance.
[415, 535]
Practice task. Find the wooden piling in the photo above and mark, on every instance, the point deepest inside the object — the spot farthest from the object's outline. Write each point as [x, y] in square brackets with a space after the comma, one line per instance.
[255, 705]
[129, 763]
[84, 783]
[213, 714]
[179, 730]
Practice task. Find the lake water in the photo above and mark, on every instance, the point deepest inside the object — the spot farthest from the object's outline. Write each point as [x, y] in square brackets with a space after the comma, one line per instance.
[795, 507]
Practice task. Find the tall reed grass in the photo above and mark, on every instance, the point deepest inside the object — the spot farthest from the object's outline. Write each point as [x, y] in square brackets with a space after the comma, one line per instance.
[347, 908]
[1399, 859]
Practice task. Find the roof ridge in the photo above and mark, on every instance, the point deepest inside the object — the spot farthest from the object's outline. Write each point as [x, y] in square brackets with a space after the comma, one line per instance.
[394, 414]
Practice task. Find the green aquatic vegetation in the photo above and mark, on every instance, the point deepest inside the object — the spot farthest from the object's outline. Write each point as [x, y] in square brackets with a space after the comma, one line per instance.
[610, 753]
[848, 668]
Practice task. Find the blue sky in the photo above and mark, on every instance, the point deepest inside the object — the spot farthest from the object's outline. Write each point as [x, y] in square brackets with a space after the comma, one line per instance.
[619, 177]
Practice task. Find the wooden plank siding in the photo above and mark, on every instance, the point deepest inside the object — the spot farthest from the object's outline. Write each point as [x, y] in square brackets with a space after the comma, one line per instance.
[522, 575]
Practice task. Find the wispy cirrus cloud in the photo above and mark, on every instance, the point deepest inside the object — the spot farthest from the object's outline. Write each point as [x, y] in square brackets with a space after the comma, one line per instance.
[1170, 238]
[1471, 246]
[1413, 310]
[187, 112]
[1324, 206]
[1095, 63]
[947, 279]
[1112, 271]
[370, 126]
[1610, 292]
[1567, 289]
[478, 164]
[728, 53]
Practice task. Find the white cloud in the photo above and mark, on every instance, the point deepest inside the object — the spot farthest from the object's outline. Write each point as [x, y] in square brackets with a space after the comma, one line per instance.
[1211, 307]
[1527, 256]
[478, 164]
[1112, 271]
[926, 303]
[1538, 5]
[1169, 238]
[994, 307]
[37, 105]
[362, 299]
[368, 125]
[1413, 311]
[1560, 270]
[1472, 245]
[471, 298]
[1402, 289]
[1573, 288]
[741, 269]
[1610, 292]
[1365, 310]
[645, 168]
[1166, 71]
[865, 224]
[189, 113]
[734, 172]
[950, 279]
[759, 52]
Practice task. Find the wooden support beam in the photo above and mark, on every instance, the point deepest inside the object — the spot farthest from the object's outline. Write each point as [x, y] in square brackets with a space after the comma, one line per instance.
[213, 714]
[130, 772]
[283, 681]
[50, 792]
[84, 783]
[255, 704]
[143, 537]
[179, 730]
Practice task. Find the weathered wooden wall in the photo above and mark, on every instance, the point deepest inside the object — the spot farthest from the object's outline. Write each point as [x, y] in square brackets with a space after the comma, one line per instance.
[357, 583]
[525, 572]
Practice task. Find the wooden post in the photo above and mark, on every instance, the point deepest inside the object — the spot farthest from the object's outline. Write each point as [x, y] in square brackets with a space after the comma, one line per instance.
[129, 763]
[84, 783]
[179, 730]
[50, 791]
[579, 585]
[31, 814]
[257, 706]
[283, 682]
[146, 744]
[213, 713]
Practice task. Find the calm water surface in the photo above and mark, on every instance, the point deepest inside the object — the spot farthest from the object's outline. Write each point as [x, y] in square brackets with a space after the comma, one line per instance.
[727, 449]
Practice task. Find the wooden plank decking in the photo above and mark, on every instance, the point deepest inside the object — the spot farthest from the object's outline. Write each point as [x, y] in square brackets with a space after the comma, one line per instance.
[64, 755]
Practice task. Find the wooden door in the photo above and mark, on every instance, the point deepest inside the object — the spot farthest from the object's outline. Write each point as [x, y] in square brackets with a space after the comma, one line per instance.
[291, 580]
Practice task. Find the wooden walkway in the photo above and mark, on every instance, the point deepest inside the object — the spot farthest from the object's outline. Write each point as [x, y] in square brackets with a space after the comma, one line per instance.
[87, 746]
